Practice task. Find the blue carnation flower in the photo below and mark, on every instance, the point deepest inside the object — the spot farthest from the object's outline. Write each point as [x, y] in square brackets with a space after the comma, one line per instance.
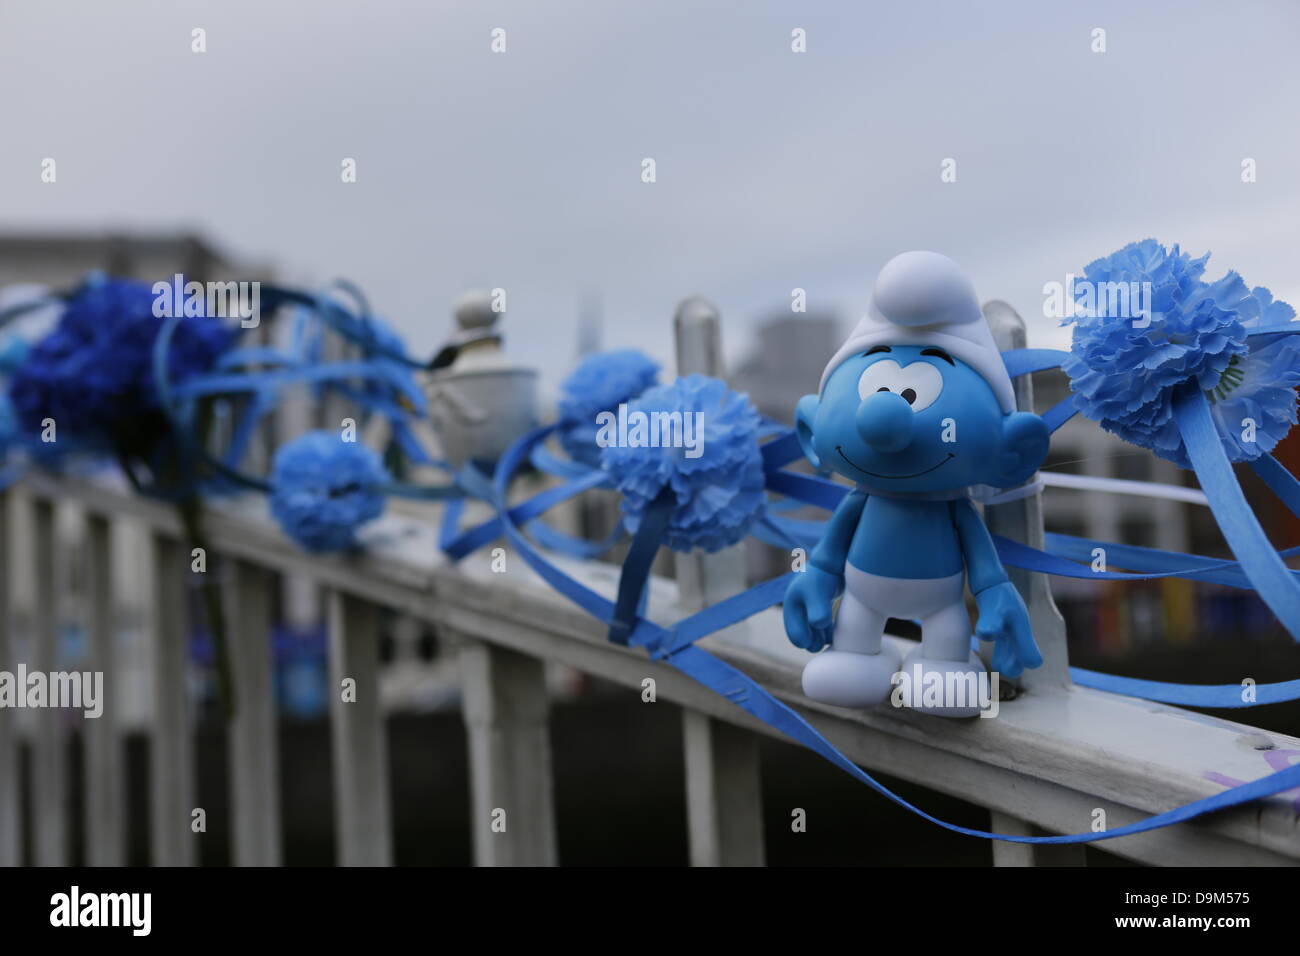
[719, 494]
[1254, 404]
[93, 372]
[323, 488]
[1125, 369]
[600, 383]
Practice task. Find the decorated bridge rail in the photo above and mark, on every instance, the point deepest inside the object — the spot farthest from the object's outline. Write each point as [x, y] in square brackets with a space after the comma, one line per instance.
[1057, 759]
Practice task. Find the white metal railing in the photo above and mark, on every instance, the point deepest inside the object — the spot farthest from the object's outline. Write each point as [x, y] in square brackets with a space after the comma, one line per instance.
[1053, 757]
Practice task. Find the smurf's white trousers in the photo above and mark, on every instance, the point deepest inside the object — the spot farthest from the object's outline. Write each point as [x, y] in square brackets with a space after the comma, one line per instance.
[869, 599]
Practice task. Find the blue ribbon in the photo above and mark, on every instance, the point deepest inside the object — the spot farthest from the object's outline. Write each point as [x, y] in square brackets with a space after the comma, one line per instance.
[546, 461]
[636, 566]
[573, 547]
[1189, 695]
[1060, 413]
[1272, 579]
[1024, 361]
[473, 539]
[1019, 555]
[1280, 481]
[1193, 567]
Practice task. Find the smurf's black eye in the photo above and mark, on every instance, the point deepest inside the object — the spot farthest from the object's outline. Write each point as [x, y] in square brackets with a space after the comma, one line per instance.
[919, 384]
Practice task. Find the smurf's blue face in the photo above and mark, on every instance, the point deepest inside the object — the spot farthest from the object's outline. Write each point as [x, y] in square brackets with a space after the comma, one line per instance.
[916, 419]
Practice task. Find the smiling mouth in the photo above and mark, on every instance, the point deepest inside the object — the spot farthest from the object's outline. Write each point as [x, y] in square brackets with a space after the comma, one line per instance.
[915, 474]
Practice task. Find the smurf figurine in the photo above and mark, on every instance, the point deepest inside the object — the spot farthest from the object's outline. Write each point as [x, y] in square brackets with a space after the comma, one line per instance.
[915, 408]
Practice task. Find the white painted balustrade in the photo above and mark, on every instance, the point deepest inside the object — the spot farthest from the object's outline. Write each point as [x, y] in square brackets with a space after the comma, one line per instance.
[1055, 757]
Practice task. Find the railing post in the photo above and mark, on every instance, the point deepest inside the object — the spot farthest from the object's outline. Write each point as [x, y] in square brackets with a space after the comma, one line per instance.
[724, 806]
[1022, 520]
[506, 718]
[49, 754]
[105, 755]
[723, 791]
[171, 751]
[704, 579]
[254, 732]
[10, 839]
[361, 792]
[1030, 854]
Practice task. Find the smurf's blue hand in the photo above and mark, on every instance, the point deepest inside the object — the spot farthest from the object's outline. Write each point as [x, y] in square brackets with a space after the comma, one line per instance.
[808, 603]
[1004, 619]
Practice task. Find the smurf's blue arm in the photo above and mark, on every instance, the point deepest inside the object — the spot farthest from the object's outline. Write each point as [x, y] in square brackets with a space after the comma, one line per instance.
[1003, 617]
[983, 566]
[832, 550]
[809, 598]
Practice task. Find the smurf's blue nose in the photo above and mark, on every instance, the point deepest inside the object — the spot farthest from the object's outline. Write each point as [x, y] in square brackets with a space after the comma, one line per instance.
[884, 421]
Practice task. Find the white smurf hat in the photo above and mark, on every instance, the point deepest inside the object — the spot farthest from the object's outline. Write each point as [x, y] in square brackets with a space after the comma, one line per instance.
[923, 298]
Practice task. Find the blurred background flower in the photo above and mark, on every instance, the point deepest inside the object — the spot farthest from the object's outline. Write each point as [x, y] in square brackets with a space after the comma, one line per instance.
[93, 372]
[600, 383]
[324, 488]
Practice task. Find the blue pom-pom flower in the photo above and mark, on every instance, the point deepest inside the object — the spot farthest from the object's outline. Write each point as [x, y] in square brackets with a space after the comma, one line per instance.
[324, 488]
[715, 471]
[93, 372]
[1125, 368]
[600, 383]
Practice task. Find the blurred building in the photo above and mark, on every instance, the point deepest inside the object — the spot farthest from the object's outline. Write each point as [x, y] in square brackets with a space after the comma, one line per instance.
[787, 361]
[61, 260]
[785, 364]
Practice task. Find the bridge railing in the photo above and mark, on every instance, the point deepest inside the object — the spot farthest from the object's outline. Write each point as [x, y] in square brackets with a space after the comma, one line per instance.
[1057, 759]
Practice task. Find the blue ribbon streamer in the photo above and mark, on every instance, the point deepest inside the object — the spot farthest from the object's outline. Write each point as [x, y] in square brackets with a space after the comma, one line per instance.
[572, 547]
[546, 461]
[1272, 579]
[1189, 695]
[1193, 567]
[450, 523]
[1282, 328]
[1060, 413]
[473, 539]
[1020, 555]
[636, 566]
[781, 451]
[1024, 361]
[1280, 481]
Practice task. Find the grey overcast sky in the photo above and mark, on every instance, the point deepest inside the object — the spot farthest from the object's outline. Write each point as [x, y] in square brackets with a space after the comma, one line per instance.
[775, 169]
